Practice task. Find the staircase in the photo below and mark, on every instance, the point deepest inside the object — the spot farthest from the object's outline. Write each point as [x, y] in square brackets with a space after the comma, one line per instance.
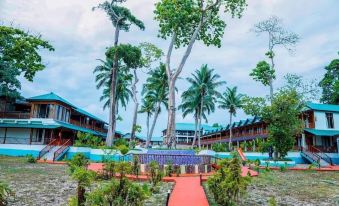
[53, 152]
[316, 156]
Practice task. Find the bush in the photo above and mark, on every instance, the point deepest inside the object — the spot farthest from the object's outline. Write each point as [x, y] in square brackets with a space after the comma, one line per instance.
[155, 175]
[217, 147]
[123, 168]
[272, 202]
[123, 149]
[88, 140]
[110, 169]
[227, 185]
[169, 169]
[30, 159]
[120, 142]
[136, 166]
[83, 177]
[78, 160]
[5, 192]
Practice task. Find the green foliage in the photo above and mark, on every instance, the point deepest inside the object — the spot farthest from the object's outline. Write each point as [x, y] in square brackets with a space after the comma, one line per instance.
[283, 168]
[136, 166]
[5, 192]
[183, 17]
[220, 147]
[123, 149]
[19, 55]
[263, 73]
[227, 185]
[123, 168]
[120, 17]
[150, 54]
[169, 169]
[120, 193]
[88, 140]
[282, 117]
[137, 128]
[83, 177]
[78, 160]
[120, 142]
[128, 55]
[330, 83]
[30, 159]
[272, 202]
[155, 175]
[110, 169]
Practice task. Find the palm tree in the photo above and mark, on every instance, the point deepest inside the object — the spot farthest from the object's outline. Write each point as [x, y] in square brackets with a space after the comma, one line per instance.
[202, 93]
[231, 101]
[148, 108]
[103, 79]
[156, 93]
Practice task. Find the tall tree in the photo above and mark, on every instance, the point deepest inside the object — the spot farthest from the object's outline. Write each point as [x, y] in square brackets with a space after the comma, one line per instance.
[156, 94]
[184, 22]
[121, 19]
[203, 87]
[330, 83]
[103, 77]
[277, 36]
[19, 55]
[148, 108]
[150, 53]
[231, 101]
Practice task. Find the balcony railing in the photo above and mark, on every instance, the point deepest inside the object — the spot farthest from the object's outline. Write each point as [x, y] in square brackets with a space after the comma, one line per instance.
[77, 123]
[15, 115]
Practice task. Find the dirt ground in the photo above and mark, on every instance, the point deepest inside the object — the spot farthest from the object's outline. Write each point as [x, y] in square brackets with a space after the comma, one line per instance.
[48, 185]
[292, 188]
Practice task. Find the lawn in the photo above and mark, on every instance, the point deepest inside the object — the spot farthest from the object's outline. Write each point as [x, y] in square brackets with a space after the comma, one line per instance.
[46, 184]
[292, 188]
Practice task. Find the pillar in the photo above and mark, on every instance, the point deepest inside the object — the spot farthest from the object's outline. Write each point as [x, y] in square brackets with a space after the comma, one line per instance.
[5, 135]
[303, 142]
[253, 145]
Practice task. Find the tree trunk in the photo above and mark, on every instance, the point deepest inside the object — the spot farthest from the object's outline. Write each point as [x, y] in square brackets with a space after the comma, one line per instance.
[81, 195]
[170, 139]
[271, 88]
[135, 99]
[112, 109]
[156, 114]
[195, 129]
[147, 125]
[199, 123]
[230, 142]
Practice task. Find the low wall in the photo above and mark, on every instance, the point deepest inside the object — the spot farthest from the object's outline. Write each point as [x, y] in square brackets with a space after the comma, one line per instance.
[17, 150]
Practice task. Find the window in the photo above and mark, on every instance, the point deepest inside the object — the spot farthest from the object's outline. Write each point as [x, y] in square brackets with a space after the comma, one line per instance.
[330, 121]
[43, 110]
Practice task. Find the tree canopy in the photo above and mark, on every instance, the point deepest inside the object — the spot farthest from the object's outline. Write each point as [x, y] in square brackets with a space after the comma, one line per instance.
[330, 83]
[19, 55]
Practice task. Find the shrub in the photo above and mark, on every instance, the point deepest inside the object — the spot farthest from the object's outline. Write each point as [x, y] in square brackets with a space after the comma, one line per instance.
[272, 202]
[121, 141]
[169, 169]
[155, 175]
[123, 149]
[123, 168]
[110, 168]
[136, 166]
[88, 140]
[83, 178]
[217, 147]
[227, 184]
[283, 168]
[78, 160]
[5, 192]
[30, 159]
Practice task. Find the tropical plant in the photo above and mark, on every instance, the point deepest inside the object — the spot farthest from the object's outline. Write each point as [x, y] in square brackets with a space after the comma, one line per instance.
[155, 95]
[202, 91]
[30, 159]
[110, 168]
[277, 36]
[231, 101]
[121, 19]
[5, 192]
[136, 166]
[19, 56]
[78, 160]
[227, 185]
[220, 147]
[88, 140]
[330, 83]
[103, 77]
[155, 175]
[186, 22]
[83, 178]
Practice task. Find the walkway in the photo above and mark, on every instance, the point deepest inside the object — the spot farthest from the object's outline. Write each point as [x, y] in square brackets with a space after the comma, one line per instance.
[188, 192]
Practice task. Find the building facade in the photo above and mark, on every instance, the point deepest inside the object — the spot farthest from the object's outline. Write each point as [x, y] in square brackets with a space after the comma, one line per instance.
[43, 118]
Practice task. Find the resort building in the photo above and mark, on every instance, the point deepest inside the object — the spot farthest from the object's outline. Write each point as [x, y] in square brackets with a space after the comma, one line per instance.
[321, 131]
[43, 118]
[141, 140]
[185, 132]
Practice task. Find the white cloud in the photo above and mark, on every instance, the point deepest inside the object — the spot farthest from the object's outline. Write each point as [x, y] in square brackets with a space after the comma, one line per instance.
[81, 35]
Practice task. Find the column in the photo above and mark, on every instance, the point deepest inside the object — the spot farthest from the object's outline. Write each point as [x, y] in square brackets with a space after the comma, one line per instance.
[303, 142]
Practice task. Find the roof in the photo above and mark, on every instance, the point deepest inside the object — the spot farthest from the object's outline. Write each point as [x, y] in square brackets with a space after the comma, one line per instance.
[54, 97]
[323, 107]
[138, 136]
[191, 127]
[318, 132]
[48, 124]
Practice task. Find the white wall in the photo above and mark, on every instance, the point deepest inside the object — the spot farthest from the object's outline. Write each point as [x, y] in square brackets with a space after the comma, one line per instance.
[321, 121]
[21, 135]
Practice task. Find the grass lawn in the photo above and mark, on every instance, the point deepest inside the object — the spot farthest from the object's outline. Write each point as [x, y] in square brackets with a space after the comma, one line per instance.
[46, 184]
[292, 188]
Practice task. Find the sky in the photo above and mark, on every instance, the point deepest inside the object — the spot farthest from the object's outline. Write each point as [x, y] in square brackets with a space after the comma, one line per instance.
[80, 37]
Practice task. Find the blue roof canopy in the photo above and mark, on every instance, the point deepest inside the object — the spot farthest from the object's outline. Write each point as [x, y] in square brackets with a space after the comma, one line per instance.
[323, 107]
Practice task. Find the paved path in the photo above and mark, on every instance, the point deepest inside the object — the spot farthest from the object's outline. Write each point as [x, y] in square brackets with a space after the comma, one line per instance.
[188, 192]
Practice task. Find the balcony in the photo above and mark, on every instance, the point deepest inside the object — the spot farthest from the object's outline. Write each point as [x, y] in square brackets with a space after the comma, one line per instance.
[15, 115]
[92, 127]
